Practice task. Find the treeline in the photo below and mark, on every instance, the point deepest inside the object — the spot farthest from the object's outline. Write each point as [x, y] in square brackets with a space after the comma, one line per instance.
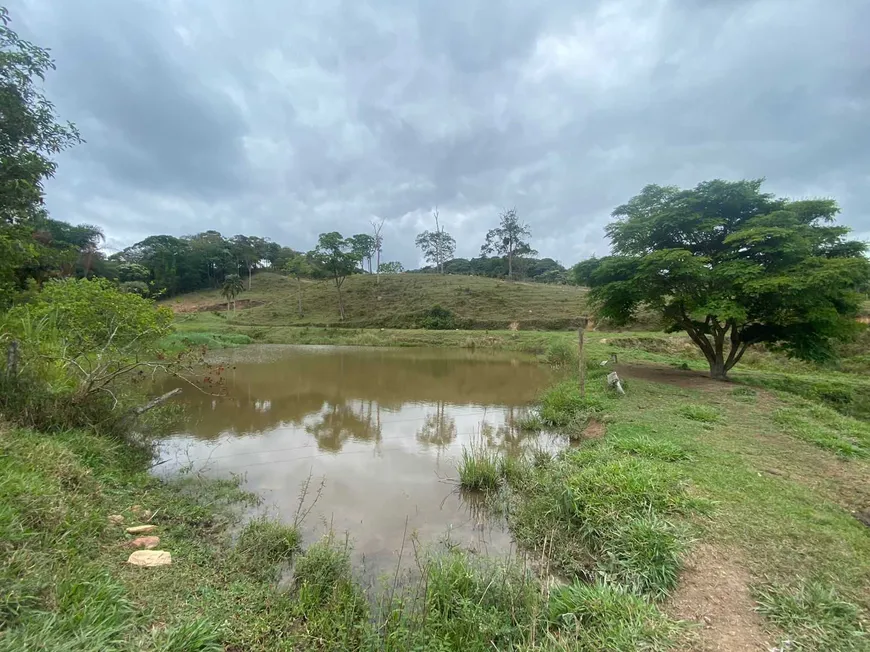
[538, 270]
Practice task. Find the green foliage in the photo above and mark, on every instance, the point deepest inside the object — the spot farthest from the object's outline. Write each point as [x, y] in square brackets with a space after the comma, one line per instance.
[391, 267]
[733, 266]
[814, 617]
[29, 127]
[508, 239]
[363, 247]
[478, 469]
[231, 288]
[335, 258]
[438, 318]
[79, 342]
[581, 273]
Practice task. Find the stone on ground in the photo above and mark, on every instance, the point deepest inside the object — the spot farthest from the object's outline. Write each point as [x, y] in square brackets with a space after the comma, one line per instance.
[150, 558]
[141, 529]
[147, 543]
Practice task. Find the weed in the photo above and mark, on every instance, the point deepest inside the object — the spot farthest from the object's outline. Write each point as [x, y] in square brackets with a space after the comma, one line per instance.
[478, 469]
[513, 469]
[530, 422]
[814, 617]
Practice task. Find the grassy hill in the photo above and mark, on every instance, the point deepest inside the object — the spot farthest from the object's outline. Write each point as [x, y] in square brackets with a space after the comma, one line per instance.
[398, 301]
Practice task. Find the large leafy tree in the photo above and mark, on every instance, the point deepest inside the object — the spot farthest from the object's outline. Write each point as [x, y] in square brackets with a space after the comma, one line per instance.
[733, 266]
[30, 135]
[364, 247]
[509, 239]
[335, 258]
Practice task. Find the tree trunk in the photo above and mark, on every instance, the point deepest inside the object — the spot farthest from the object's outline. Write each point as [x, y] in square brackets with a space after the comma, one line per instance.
[510, 265]
[299, 296]
[340, 301]
[717, 369]
[250, 267]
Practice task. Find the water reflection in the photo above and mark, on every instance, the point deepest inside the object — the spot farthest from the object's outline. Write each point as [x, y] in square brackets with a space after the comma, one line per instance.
[384, 427]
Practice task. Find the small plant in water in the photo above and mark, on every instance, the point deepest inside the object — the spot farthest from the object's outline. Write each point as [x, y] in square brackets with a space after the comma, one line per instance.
[478, 469]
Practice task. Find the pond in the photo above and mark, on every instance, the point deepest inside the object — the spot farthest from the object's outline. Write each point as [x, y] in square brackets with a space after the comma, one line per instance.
[381, 429]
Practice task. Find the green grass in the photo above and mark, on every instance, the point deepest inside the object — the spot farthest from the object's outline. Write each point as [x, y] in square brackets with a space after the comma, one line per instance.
[402, 301]
[816, 617]
[702, 413]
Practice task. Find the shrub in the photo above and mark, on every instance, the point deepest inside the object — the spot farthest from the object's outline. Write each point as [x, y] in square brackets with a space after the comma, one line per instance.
[438, 318]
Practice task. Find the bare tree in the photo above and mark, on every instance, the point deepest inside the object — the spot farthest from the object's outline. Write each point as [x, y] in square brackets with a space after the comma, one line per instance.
[437, 246]
[379, 244]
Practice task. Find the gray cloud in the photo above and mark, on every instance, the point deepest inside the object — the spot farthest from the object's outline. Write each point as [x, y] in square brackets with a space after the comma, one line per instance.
[288, 119]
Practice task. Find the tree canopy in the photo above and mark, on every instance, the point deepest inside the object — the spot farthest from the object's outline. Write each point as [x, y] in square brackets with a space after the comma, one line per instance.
[509, 239]
[733, 266]
[335, 258]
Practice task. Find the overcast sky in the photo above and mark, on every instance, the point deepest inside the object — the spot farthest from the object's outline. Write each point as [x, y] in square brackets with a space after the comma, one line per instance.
[287, 118]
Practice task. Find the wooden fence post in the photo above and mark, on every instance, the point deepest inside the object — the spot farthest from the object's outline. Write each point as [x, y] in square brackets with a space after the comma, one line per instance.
[581, 360]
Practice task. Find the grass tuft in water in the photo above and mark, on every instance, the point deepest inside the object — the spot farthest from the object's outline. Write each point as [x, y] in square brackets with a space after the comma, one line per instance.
[479, 469]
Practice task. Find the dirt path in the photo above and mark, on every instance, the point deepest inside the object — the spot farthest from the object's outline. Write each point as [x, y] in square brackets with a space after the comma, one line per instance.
[714, 592]
[681, 378]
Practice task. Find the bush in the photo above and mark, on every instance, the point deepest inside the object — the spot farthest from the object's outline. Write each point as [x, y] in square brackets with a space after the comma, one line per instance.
[80, 342]
[438, 318]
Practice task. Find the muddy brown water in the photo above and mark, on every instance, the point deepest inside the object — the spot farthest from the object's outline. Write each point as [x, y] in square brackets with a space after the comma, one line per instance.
[383, 429]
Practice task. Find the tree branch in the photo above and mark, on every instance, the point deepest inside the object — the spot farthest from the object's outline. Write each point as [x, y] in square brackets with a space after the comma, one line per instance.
[155, 402]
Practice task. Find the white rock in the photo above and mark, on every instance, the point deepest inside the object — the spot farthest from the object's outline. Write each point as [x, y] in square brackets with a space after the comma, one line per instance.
[141, 529]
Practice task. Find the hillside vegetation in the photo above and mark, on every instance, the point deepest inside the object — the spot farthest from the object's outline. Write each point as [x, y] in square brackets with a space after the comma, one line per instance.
[398, 301]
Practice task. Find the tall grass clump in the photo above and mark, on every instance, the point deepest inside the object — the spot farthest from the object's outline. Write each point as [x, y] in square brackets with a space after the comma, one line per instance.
[561, 353]
[562, 406]
[264, 545]
[478, 469]
[605, 616]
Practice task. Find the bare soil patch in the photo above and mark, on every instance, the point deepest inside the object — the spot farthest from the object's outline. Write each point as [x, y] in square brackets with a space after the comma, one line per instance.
[594, 430]
[687, 379]
[714, 593]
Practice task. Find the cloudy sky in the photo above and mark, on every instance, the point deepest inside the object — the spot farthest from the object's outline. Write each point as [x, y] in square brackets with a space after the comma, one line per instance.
[287, 118]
